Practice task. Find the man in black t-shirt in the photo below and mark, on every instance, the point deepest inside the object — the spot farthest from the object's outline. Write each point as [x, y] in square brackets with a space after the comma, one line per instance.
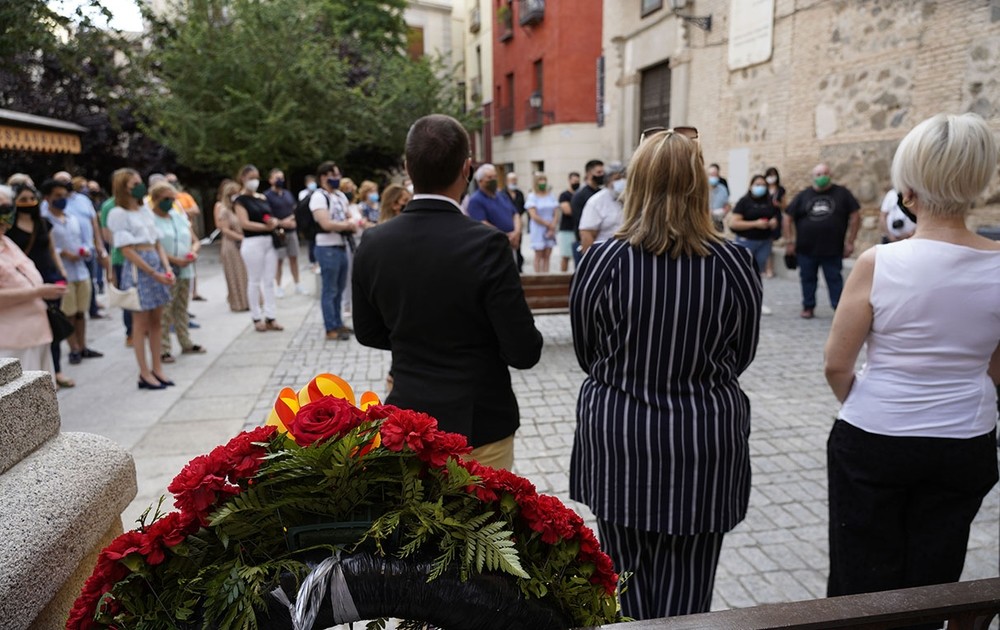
[513, 192]
[594, 181]
[566, 237]
[820, 226]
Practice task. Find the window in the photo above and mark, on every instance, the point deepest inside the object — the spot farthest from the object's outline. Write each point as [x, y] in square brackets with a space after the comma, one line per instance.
[415, 42]
[654, 97]
[648, 6]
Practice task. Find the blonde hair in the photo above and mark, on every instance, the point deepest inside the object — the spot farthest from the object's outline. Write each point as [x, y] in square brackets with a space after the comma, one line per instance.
[160, 190]
[119, 187]
[366, 187]
[947, 160]
[390, 196]
[227, 190]
[666, 198]
[537, 176]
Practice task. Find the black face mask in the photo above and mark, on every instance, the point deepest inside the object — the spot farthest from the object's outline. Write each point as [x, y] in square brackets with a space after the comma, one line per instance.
[575, 187]
[906, 211]
[598, 180]
[33, 209]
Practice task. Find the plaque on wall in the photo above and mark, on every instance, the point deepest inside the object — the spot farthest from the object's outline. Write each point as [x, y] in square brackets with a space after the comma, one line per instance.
[751, 32]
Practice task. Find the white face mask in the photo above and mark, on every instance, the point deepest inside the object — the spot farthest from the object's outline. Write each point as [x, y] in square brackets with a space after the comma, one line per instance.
[252, 184]
[409, 188]
[771, 179]
[311, 186]
[618, 186]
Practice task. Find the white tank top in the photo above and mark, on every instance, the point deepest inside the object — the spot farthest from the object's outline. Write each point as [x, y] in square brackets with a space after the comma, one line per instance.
[936, 324]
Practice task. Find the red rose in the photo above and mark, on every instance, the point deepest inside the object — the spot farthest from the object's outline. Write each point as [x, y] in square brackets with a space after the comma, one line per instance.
[326, 418]
[408, 428]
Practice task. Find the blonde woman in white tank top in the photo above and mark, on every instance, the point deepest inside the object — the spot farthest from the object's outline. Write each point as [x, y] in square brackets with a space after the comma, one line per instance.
[913, 452]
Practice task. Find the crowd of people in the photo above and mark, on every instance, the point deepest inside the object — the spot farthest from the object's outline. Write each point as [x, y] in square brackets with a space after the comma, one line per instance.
[665, 314]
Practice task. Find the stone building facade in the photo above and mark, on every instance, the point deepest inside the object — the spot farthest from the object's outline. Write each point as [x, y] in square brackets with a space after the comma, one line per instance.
[840, 81]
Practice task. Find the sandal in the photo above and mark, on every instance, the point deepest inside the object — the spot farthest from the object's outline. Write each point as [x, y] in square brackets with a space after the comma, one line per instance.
[195, 349]
[64, 382]
[166, 357]
[259, 326]
[270, 324]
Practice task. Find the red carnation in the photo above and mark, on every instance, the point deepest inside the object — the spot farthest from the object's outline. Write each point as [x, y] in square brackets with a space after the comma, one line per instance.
[548, 516]
[444, 445]
[326, 418]
[379, 412]
[244, 455]
[408, 428]
[169, 531]
[199, 484]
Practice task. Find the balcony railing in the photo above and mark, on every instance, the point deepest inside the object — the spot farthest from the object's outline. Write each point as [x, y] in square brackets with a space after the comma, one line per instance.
[475, 20]
[505, 120]
[531, 12]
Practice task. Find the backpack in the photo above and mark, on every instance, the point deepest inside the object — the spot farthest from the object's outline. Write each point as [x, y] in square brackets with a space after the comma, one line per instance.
[304, 221]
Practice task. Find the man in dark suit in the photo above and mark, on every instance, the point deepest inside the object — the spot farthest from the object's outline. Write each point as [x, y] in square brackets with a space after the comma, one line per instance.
[441, 291]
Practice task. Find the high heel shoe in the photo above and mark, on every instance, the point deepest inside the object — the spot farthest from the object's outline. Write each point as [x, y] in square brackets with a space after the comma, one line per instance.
[144, 384]
[166, 382]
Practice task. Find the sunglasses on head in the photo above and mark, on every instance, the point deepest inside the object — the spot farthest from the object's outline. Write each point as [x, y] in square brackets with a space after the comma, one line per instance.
[688, 132]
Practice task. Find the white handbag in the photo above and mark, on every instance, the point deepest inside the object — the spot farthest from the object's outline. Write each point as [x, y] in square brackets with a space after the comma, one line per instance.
[127, 299]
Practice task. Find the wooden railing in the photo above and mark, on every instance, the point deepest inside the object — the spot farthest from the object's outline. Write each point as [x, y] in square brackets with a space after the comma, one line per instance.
[964, 605]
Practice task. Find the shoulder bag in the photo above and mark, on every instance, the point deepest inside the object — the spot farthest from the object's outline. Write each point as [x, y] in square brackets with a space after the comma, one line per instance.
[61, 325]
[127, 299]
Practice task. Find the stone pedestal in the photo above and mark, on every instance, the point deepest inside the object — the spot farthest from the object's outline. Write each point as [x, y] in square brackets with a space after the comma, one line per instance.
[61, 499]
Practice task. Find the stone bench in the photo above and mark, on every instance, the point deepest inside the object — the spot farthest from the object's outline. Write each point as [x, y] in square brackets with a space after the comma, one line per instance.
[61, 499]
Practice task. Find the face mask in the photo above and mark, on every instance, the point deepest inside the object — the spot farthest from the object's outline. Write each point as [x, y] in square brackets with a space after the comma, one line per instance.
[30, 208]
[59, 204]
[758, 190]
[771, 179]
[542, 186]
[311, 186]
[598, 180]
[165, 204]
[279, 183]
[491, 186]
[7, 214]
[822, 181]
[373, 198]
[251, 184]
[575, 187]
[138, 191]
[713, 181]
[333, 182]
[618, 186]
[409, 188]
[905, 210]
[512, 186]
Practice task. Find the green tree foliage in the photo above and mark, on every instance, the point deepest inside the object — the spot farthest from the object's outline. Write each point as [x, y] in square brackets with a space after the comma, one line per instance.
[287, 83]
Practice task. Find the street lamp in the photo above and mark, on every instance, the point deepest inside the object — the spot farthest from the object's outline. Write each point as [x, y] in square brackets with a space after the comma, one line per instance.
[535, 103]
[704, 23]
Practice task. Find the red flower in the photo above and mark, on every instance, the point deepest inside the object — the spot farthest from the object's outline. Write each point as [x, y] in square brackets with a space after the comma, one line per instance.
[169, 531]
[548, 516]
[243, 455]
[326, 418]
[379, 412]
[199, 484]
[443, 446]
[408, 428]
[121, 547]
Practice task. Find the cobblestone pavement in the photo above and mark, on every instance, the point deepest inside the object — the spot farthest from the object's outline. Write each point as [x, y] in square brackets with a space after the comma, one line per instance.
[777, 554]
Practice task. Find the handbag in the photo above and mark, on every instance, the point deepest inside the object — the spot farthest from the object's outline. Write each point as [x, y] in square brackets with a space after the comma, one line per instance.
[791, 261]
[278, 238]
[127, 299]
[61, 326]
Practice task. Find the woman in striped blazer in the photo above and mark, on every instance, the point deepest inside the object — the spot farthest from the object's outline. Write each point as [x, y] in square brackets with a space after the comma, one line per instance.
[665, 318]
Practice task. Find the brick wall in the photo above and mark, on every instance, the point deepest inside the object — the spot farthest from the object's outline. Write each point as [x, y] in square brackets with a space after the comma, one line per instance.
[846, 81]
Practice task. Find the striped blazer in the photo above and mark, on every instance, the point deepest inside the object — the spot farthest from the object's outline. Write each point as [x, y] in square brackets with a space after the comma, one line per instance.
[662, 425]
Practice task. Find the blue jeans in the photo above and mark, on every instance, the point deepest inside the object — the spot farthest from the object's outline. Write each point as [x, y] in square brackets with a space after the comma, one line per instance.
[760, 248]
[333, 273]
[809, 272]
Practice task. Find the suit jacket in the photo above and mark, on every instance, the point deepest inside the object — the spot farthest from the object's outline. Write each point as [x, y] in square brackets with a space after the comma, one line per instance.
[441, 291]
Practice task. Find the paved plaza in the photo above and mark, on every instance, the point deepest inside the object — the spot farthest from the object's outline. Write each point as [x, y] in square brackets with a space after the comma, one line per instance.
[778, 554]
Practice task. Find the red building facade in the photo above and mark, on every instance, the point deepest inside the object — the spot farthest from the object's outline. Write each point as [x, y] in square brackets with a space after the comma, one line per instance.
[546, 58]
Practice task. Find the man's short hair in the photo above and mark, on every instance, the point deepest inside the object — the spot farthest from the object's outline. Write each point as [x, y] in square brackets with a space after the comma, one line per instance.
[50, 185]
[591, 165]
[481, 171]
[437, 147]
[325, 168]
[573, 174]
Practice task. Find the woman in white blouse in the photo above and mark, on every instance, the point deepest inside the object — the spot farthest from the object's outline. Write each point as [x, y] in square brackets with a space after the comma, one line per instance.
[913, 451]
[134, 232]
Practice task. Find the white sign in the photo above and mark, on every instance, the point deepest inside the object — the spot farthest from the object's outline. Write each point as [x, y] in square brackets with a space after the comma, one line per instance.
[751, 32]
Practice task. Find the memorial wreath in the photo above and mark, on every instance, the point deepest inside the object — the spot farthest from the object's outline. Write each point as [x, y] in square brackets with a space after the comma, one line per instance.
[355, 496]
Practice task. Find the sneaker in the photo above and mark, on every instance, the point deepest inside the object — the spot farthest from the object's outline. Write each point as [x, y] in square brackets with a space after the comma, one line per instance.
[332, 335]
[166, 357]
[316, 270]
[300, 289]
[193, 325]
[75, 358]
[807, 313]
[765, 309]
[87, 353]
[279, 292]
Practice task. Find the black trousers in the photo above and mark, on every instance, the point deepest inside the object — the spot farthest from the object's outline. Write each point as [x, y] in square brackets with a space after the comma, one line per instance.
[672, 575]
[901, 507]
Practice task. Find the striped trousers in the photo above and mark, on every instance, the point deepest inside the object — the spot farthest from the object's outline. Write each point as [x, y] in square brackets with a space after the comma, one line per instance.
[671, 575]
